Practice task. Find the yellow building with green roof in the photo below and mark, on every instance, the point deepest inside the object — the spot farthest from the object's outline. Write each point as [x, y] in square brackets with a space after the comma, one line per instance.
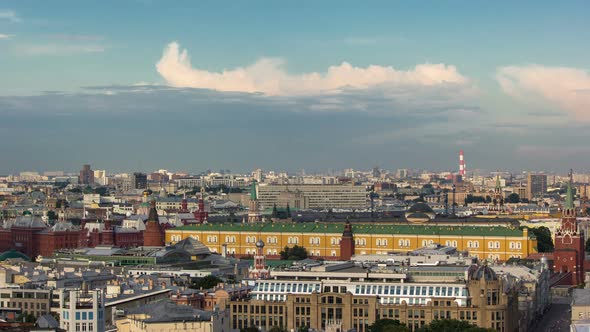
[323, 239]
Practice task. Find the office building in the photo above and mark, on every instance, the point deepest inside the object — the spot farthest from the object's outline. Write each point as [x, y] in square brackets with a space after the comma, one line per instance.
[138, 181]
[310, 196]
[536, 185]
[353, 297]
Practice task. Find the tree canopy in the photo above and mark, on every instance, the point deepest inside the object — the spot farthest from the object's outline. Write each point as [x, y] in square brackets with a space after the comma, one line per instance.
[544, 240]
[295, 253]
[513, 198]
[452, 325]
[387, 325]
[206, 282]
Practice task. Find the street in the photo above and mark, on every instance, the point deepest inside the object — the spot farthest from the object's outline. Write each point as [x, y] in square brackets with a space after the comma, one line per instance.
[557, 319]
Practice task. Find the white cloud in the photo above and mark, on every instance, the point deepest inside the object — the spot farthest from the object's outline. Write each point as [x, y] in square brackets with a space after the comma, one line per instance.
[10, 16]
[562, 87]
[269, 76]
[58, 49]
[5, 36]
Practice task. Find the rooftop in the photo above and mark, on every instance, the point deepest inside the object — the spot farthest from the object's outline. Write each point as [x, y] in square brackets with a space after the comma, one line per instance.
[357, 228]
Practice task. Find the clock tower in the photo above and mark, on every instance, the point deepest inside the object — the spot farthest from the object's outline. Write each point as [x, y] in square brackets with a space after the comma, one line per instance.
[569, 243]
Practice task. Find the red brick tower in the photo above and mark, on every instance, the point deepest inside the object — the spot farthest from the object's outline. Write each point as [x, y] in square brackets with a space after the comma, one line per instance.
[347, 243]
[569, 243]
[153, 236]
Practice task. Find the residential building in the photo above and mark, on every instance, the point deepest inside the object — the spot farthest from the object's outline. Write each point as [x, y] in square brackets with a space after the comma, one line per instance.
[315, 196]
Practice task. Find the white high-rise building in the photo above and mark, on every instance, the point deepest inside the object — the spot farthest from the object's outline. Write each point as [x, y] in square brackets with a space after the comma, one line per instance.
[100, 177]
[82, 310]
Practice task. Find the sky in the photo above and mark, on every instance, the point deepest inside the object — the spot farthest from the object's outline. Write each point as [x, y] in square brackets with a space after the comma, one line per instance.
[317, 85]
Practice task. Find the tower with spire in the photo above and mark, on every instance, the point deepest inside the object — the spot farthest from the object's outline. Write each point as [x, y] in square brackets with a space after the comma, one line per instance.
[569, 253]
[498, 199]
[153, 236]
[259, 271]
[253, 207]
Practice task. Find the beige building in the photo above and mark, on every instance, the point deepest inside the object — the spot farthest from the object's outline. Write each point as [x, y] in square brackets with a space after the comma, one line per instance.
[484, 299]
[31, 301]
[311, 196]
[169, 317]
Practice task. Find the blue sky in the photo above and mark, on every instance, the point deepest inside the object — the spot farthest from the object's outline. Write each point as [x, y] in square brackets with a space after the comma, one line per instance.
[289, 85]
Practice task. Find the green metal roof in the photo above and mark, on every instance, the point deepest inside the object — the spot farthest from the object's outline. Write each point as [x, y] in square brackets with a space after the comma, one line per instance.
[569, 198]
[358, 229]
[253, 195]
[13, 254]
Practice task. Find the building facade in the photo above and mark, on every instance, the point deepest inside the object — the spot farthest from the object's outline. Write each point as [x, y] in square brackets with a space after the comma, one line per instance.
[82, 310]
[314, 196]
[322, 240]
[536, 185]
[354, 302]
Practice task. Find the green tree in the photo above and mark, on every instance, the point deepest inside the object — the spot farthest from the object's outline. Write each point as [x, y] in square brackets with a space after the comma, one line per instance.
[513, 198]
[51, 215]
[207, 282]
[387, 325]
[26, 318]
[544, 241]
[102, 191]
[295, 253]
[277, 329]
[452, 325]
[249, 329]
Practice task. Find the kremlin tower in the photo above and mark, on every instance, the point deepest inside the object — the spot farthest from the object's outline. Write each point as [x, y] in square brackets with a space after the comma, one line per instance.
[253, 207]
[259, 271]
[569, 255]
[347, 243]
[153, 236]
[498, 199]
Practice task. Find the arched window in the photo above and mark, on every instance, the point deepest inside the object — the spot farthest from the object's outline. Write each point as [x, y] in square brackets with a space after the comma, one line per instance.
[497, 244]
[469, 244]
[424, 243]
[476, 244]
[384, 242]
[454, 244]
[333, 253]
[518, 245]
[400, 243]
[378, 242]
[491, 244]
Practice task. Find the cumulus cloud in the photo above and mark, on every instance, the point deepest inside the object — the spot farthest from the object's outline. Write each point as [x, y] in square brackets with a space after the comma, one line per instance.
[9, 15]
[562, 87]
[268, 76]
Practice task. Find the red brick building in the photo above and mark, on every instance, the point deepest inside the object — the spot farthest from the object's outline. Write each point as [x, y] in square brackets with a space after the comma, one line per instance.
[33, 237]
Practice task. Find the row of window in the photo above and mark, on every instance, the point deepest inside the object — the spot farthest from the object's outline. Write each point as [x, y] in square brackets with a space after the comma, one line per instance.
[411, 290]
[359, 242]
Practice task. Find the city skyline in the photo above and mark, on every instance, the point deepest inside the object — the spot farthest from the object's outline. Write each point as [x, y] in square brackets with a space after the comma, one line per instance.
[315, 86]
